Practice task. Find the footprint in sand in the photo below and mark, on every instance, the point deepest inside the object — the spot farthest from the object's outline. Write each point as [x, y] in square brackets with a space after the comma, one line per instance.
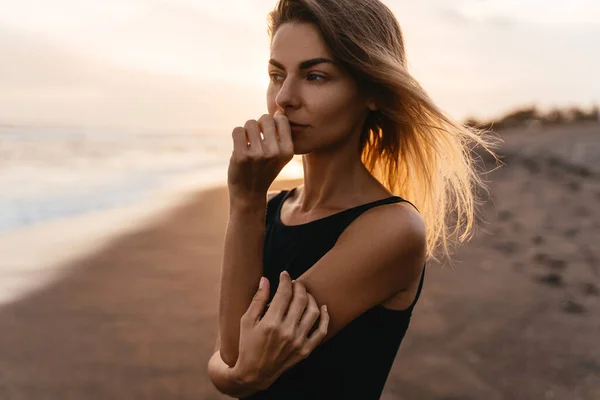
[550, 262]
[507, 247]
[504, 215]
[569, 233]
[589, 289]
[581, 212]
[572, 307]
[574, 186]
[519, 266]
[556, 263]
[531, 165]
[551, 279]
[537, 240]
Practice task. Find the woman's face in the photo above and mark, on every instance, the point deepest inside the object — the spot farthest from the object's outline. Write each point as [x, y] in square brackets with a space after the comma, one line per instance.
[318, 94]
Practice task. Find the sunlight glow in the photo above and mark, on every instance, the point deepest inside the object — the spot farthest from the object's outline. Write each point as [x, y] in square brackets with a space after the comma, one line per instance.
[459, 50]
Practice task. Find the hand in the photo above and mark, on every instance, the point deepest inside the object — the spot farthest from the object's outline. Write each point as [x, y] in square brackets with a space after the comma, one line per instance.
[273, 344]
[255, 163]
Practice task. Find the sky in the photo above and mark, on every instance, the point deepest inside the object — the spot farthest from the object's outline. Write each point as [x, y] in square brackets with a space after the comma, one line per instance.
[201, 66]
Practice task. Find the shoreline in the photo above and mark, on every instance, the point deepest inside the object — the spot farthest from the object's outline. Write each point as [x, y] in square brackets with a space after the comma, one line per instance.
[61, 242]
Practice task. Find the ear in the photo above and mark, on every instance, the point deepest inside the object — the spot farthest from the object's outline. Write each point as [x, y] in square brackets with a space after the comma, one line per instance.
[371, 105]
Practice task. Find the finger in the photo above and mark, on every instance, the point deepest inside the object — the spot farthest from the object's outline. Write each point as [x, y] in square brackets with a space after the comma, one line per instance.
[239, 139]
[269, 130]
[318, 335]
[253, 132]
[282, 298]
[311, 314]
[285, 134]
[257, 305]
[298, 304]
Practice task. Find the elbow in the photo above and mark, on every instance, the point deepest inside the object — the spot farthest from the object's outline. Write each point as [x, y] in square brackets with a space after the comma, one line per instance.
[217, 374]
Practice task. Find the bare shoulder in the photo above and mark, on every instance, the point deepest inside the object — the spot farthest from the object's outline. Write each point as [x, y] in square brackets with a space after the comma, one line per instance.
[393, 221]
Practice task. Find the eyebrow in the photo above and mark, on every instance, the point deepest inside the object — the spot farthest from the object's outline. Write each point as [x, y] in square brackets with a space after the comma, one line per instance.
[305, 64]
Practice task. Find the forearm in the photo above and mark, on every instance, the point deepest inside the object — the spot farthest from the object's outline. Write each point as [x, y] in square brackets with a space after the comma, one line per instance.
[241, 270]
[225, 379]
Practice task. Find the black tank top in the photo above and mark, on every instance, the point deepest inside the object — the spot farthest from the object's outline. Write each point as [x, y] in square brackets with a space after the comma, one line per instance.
[355, 363]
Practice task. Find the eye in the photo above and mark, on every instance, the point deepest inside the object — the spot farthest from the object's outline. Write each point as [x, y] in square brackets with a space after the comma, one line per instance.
[274, 77]
[322, 78]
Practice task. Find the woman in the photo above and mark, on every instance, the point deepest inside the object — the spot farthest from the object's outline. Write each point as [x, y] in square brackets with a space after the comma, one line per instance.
[341, 96]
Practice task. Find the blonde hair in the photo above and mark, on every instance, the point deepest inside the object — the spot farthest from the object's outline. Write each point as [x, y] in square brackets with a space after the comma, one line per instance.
[408, 143]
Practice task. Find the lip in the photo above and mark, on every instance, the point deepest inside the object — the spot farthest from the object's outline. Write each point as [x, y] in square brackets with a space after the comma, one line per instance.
[292, 123]
[296, 128]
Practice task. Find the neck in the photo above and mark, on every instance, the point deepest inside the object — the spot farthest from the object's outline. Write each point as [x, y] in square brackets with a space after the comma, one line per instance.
[335, 180]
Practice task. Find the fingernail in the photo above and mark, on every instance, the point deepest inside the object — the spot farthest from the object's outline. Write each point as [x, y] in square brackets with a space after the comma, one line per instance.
[263, 280]
[285, 273]
[325, 308]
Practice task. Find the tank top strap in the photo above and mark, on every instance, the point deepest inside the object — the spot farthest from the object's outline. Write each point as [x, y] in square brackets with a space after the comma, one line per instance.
[274, 203]
[344, 217]
[414, 302]
[355, 212]
[282, 195]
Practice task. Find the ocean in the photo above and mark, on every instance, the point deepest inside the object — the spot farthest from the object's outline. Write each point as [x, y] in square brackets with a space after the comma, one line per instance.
[48, 174]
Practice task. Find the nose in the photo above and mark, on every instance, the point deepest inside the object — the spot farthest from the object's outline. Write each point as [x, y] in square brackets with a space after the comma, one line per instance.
[287, 97]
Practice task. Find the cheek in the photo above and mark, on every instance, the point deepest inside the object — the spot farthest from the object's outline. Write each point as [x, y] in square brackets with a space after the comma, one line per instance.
[271, 106]
[335, 108]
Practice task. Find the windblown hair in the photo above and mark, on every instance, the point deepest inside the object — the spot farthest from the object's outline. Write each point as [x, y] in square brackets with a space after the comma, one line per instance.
[408, 143]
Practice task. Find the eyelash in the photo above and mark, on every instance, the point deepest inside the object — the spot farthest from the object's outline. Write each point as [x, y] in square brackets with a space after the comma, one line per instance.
[319, 76]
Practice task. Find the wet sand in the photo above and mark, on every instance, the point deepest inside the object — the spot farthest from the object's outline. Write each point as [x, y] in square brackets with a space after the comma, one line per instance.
[517, 316]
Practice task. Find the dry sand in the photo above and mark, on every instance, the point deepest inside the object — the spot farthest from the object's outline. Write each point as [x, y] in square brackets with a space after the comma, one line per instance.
[517, 317]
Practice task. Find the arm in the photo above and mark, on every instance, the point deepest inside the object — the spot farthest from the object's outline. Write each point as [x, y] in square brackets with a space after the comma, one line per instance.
[226, 380]
[254, 164]
[241, 271]
[380, 254]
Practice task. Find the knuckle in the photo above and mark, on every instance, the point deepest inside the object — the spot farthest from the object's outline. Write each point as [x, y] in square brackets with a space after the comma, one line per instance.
[287, 336]
[254, 376]
[238, 157]
[266, 118]
[243, 158]
[317, 310]
[256, 155]
[298, 344]
[304, 352]
[270, 153]
[313, 314]
[303, 295]
[251, 123]
[280, 117]
[284, 289]
[270, 327]
[302, 299]
[300, 286]
[287, 151]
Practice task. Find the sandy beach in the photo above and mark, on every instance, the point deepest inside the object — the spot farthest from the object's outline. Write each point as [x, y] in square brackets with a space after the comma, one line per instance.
[517, 316]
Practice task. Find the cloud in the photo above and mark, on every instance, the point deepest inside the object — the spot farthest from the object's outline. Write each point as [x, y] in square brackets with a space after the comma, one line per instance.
[46, 84]
[457, 17]
[194, 39]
